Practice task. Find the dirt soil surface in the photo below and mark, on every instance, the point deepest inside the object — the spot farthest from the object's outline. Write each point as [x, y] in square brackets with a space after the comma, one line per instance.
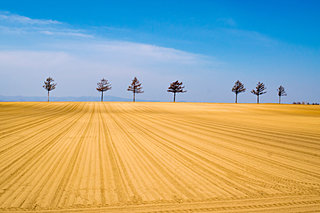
[159, 157]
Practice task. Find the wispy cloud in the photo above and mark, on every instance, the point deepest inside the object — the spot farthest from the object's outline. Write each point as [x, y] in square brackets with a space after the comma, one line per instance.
[149, 52]
[116, 50]
[17, 24]
[65, 32]
[230, 30]
[72, 61]
[32, 49]
[251, 36]
[13, 18]
[79, 63]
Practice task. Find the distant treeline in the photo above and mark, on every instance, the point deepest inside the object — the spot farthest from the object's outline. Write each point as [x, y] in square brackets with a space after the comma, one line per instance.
[305, 103]
[175, 87]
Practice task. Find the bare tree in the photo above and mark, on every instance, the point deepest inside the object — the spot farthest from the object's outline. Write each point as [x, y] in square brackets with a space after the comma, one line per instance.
[176, 87]
[49, 85]
[259, 90]
[238, 88]
[281, 92]
[135, 87]
[103, 86]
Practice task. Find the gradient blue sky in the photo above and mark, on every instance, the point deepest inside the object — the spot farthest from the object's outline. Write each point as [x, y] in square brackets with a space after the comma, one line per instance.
[206, 44]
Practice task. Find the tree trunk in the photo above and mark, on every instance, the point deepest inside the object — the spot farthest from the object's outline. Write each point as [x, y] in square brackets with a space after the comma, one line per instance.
[236, 98]
[257, 99]
[102, 96]
[48, 95]
[134, 97]
[279, 99]
[174, 97]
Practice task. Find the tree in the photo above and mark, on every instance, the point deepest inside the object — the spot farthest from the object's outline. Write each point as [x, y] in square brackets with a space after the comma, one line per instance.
[103, 86]
[135, 87]
[281, 92]
[259, 90]
[176, 87]
[49, 85]
[238, 88]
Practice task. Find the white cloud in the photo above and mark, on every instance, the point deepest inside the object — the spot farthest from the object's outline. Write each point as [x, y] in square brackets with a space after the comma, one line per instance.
[13, 18]
[77, 59]
[79, 63]
[16, 24]
[109, 53]
[65, 32]
[149, 53]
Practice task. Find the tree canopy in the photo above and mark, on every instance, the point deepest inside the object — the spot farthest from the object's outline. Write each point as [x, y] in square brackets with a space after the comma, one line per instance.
[260, 90]
[103, 86]
[49, 85]
[281, 92]
[135, 87]
[176, 87]
[238, 88]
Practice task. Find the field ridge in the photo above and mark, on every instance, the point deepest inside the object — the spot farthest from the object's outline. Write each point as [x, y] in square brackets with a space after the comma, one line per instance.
[159, 157]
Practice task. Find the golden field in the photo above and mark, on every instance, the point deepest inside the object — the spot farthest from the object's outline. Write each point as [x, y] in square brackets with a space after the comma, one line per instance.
[159, 157]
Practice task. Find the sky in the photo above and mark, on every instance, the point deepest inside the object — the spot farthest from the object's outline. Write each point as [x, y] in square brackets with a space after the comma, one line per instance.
[208, 45]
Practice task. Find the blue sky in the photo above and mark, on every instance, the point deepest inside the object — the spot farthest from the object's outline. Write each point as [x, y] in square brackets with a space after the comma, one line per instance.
[206, 44]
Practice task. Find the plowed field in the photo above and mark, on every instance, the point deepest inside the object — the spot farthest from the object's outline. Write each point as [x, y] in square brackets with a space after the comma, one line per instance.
[159, 157]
